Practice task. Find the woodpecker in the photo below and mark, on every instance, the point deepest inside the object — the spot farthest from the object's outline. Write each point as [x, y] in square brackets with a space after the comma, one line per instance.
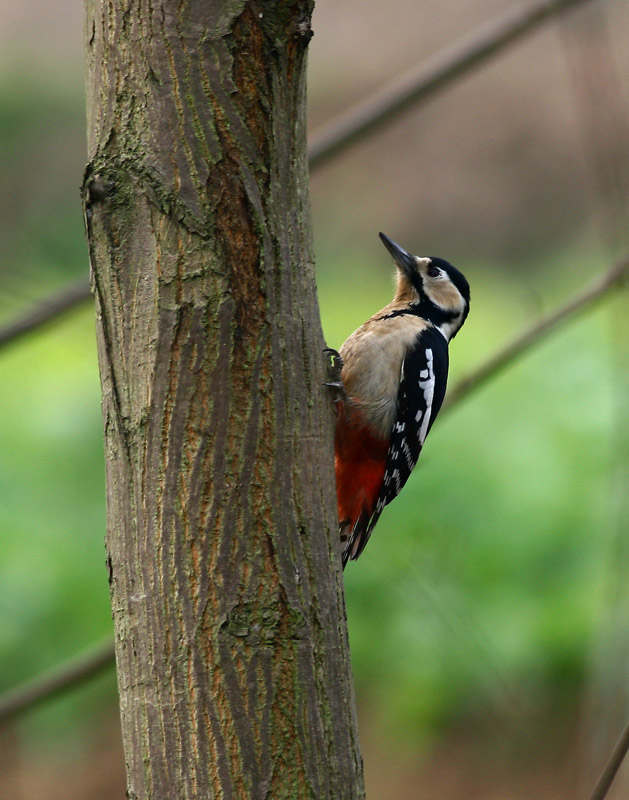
[390, 380]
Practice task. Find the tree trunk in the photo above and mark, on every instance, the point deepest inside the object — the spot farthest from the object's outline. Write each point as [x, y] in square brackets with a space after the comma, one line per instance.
[223, 552]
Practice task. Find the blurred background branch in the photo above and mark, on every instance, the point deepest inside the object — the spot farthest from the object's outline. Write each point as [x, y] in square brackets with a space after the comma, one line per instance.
[615, 278]
[604, 783]
[66, 676]
[48, 310]
[423, 81]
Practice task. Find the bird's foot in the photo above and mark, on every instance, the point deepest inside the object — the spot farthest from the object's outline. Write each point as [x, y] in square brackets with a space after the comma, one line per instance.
[334, 367]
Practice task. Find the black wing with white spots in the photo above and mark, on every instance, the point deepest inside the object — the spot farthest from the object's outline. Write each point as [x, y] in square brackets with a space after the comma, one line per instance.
[422, 389]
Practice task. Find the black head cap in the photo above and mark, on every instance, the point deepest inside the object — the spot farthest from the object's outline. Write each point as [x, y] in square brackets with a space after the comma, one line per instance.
[457, 278]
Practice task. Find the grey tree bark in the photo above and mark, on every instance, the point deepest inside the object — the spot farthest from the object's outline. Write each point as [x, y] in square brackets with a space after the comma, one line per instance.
[223, 554]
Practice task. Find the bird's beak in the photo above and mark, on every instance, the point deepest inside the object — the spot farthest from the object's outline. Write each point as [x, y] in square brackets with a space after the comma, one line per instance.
[405, 261]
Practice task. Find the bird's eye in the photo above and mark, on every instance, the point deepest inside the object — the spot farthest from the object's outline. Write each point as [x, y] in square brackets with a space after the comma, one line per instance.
[433, 272]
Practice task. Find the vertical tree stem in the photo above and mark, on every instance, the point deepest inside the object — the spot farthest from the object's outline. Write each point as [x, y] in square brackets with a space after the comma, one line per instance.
[231, 643]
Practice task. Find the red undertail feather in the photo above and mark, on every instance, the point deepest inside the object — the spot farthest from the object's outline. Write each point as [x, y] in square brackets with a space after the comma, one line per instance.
[360, 461]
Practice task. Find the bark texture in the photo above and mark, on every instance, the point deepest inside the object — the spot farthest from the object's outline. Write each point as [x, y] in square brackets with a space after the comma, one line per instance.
[223, 552]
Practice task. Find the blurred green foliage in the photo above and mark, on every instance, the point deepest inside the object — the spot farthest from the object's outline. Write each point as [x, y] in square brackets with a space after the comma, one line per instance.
[481, 585]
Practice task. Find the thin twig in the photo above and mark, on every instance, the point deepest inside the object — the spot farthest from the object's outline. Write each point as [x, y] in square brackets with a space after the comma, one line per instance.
[424, 80]
[47, 310]
[616, 277]
[612, 766]
[412, 88]
[67, 676]
[82, 668]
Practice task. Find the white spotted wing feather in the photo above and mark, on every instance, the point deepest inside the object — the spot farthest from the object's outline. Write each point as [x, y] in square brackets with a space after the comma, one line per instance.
[423, 381]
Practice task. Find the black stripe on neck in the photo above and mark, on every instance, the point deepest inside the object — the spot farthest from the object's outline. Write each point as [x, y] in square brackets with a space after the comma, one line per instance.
[426, 310]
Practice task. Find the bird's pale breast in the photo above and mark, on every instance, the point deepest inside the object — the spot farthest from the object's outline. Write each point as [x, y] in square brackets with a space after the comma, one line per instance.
[372, 358]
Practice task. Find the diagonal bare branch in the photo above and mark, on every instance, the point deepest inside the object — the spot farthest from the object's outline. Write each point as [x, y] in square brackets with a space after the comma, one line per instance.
[426, 79]
[47, 310]
[64, 677]
[613, 279]
[613, 765]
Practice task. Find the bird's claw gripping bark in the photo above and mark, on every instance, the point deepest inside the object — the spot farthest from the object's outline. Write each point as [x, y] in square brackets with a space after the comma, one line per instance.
[334, 365]
[335, 382]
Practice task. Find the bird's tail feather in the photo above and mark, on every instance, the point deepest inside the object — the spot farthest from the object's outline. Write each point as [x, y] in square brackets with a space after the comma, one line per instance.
[356, 535]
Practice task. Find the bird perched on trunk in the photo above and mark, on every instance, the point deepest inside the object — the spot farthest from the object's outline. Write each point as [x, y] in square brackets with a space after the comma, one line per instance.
[390, 377]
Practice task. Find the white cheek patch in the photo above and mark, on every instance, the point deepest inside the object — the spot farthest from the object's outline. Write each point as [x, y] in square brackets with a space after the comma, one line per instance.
[428, 388]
